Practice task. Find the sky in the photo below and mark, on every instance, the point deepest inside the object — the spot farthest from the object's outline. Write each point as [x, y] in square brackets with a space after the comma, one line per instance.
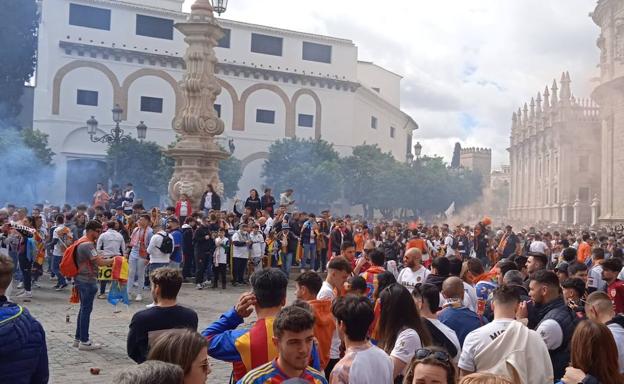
[466, 64]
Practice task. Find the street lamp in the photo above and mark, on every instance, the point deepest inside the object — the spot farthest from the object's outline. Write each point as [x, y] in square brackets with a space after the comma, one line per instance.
[116, 135]
[219, 6]
[417, 149]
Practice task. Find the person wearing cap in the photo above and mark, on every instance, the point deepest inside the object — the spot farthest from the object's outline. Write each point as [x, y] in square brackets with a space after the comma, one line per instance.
[562, 271]
[574, 295]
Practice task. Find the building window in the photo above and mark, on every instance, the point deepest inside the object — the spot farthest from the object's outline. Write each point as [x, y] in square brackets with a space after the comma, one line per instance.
[224, 42]
[306, 120]
[392, 132]
[265, 116]
[583, 163]
[269, 45]
[373, 122]
[317, 52]
[90, 17]
[154, 27]
[583, 194]
[87, 98]
[151, 104]
[217, 108]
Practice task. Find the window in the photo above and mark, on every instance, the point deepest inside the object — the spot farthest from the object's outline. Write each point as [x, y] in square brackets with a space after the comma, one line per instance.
[269, 45]
[317, 52]
[217, 108]
[392, 132]
[151, 104]
[583, 163]
[87, 98]
[90, 17]
[306, 120]
[373, 122]
[265, 116]
[154, 27]
[224, 42]
[583, 194]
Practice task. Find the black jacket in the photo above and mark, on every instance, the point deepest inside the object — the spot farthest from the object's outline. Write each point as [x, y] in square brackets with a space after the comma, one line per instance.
[202, 245]
[215, 203]
[267, 203]
[252, 204]
[337, 239]
[188, 251]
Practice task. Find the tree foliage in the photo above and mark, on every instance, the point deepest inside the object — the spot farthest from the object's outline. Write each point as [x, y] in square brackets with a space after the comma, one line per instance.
[18, 47]
[37, 141]
[230, 173]
[310, 167]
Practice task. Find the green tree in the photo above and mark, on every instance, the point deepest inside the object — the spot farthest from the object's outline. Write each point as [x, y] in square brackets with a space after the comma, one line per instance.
[18, 51]
[308, 166]
[144, 164]
[230, 173]
[38, 142]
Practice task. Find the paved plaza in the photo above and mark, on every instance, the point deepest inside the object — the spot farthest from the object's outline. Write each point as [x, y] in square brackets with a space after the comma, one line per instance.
[69, 365]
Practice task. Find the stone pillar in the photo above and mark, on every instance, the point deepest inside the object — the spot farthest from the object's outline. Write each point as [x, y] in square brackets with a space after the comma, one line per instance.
[577, 211]
[196, 154]
[595, 210]
[564, 212]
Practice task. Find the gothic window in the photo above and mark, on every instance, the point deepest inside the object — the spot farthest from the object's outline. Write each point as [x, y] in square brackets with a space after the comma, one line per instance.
[583, 163]
[583, 194]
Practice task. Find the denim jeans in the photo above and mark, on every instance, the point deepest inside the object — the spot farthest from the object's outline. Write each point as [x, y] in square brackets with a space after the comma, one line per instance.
[55, 268]
[87, 293]
[136, 269]
[309, 256]
[238, 269]
[287, 259]
[321, 260]
[155, 266]
[17, 272]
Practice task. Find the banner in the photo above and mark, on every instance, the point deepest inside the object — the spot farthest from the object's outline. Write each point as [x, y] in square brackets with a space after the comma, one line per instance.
[105, 273]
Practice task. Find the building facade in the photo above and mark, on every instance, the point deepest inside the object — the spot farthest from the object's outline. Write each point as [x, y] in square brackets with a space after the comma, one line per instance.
[609, 94]
[275, 84]
[555, 158]
[478, 160]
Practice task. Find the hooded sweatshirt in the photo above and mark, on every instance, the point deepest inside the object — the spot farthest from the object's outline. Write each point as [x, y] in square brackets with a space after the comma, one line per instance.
[23, 351]
[324, 326]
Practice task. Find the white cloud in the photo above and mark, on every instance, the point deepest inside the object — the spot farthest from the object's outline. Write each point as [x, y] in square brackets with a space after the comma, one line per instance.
[478, 58]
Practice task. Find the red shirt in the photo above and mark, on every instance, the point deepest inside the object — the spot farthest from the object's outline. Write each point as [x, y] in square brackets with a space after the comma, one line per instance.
[615, 291]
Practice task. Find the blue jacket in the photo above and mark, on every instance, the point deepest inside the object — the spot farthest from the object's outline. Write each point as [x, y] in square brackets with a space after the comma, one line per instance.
[23, 351]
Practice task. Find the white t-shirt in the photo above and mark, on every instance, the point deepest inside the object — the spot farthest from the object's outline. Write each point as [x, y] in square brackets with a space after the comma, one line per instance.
[538, 246]
[367, 364]
[156, 255]
[448, 242]
[405, 346]
[470, 297]
[327, 293]
[594, 278]
[184, 208]
[618, 335]
[551, 333]
[478, 339]
[409, 279]
[63, 243]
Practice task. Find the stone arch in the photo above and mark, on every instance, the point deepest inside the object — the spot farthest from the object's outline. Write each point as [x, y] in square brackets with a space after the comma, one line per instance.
[317, 103]
[235, 101]
[125, 87]
[239, 119]
[64, 70]
[253, 157]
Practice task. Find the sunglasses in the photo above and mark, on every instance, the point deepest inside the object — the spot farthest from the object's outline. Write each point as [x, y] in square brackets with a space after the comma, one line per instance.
[423, 353]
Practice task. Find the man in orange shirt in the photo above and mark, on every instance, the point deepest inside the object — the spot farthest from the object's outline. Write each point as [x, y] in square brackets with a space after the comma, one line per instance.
[360, 237]
[584, 249]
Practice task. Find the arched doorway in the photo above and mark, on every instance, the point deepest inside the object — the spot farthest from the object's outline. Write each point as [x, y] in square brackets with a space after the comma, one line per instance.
[82, 176]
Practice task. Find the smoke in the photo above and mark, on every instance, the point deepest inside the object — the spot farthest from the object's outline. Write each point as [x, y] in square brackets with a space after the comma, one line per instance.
[24, 179]
[493, 204]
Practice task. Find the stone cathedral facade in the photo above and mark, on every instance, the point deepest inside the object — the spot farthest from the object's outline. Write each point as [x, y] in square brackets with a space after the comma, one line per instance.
[555, 158]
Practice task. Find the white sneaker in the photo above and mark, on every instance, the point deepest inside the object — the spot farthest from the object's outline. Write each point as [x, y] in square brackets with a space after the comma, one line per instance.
[24, 295]
[35, 284]
[200, 286]
[89, 346]
[138, 297]
[20, 285]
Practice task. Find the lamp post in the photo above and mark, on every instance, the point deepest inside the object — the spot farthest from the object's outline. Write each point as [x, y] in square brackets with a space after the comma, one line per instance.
[417, 150]
[116, 135]
[219, 6]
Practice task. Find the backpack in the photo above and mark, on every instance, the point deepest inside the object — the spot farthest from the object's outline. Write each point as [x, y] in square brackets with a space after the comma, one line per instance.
[69, 265]
[166, 246]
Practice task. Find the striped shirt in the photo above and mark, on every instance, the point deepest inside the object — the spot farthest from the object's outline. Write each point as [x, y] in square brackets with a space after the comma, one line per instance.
[270, 373]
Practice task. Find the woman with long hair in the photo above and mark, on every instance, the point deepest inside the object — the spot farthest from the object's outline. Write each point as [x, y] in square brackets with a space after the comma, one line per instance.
[253, 202]
[593, 356]
[185, 348]
[401, 330]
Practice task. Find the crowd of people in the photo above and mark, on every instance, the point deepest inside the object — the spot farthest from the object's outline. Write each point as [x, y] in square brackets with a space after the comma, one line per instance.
[376, 301]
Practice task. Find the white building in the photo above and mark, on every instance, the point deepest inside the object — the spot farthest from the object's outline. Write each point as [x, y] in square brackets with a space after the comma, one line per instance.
[276, 83]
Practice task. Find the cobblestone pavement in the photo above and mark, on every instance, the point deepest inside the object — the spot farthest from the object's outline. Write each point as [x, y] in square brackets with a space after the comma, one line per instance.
[69, 365]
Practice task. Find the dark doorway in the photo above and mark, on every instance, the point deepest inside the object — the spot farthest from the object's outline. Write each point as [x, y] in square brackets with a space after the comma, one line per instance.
[82, 176]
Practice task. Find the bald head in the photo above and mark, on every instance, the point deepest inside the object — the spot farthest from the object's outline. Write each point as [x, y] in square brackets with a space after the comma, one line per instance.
[453, 288]
[412, 258]
[598, 305]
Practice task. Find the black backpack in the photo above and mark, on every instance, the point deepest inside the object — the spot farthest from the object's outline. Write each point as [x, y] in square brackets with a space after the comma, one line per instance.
[167, 244]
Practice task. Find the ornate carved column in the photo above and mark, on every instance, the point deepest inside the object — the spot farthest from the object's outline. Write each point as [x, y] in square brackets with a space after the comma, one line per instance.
[564, 212]
[576, 211]
[196, 154]
[595, 210]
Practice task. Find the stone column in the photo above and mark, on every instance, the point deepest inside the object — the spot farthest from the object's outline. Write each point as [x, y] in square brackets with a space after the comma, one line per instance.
[564, 212]
[577, 211]
[595, 210]
[196, 154]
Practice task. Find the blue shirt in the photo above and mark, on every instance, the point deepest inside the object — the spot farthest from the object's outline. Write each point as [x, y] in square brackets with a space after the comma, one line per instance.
[461, 320]
[176, 255]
